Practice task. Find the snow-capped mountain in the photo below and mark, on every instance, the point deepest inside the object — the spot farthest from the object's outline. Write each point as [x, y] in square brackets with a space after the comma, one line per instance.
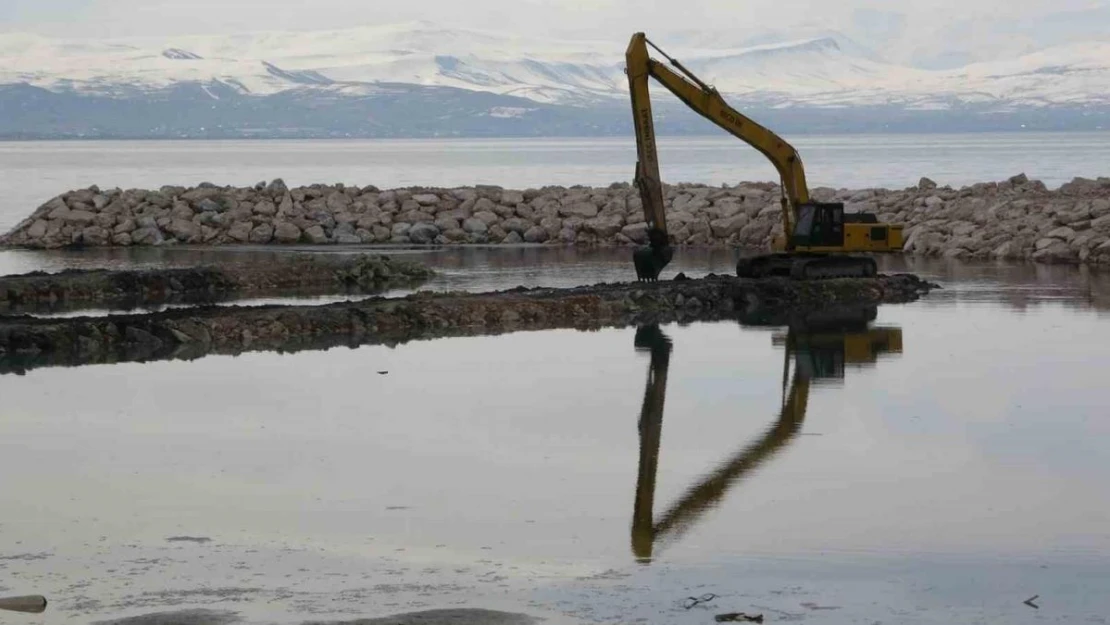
[821, 71]
[419, 79]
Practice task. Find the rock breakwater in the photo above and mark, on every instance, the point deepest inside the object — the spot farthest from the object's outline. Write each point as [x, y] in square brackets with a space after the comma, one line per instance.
[125, 289]
[29, 342]
[1015, 219]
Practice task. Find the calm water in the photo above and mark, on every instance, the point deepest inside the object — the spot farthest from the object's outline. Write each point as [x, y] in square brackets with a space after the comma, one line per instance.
[950, 461]
[31, 173]
[954, 466]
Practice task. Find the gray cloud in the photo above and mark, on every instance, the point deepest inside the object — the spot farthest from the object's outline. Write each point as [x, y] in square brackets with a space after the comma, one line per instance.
[926, 32]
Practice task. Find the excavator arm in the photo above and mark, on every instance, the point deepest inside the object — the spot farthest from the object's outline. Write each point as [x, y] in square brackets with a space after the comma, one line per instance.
[707, 102]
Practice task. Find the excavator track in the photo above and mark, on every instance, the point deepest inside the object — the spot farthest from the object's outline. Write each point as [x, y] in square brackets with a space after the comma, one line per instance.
[800, 266]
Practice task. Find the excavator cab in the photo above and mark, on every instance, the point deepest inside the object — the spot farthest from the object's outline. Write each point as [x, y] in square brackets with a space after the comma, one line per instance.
[824, 226]
[819, 224]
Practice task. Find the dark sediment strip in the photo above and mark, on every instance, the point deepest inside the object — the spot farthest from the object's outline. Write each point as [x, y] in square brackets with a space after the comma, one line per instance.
[28, 343]
[126, 289]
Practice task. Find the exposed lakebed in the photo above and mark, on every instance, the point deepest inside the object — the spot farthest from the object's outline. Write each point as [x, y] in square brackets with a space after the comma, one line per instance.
[946, 477]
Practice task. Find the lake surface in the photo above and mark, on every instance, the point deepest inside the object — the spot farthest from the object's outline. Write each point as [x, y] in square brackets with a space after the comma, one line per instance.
[33, 172]
[950, 462]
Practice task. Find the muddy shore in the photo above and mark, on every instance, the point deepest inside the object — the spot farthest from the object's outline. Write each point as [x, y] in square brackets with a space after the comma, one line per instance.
[127, 289]
[29, 342]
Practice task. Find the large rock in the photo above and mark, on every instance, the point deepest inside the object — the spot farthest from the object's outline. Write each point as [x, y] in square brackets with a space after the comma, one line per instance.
[475, 226]
[724, 228]
[265, 207]
[241, 231]
[147, 236]
[423, 233]
[426, 199]
[183, 230]
[637, 233]
[316, 235]
[445, 223]
[586, 210]
[209, 206]
[1055, 252]
[286, 232]
[338, 201]
[552, 225]
[604, 226]
[517, 225]
[277, 188]
[79, 217]
[1064, 234]
[181, 210]
[95, 235]
[37, 229]
[536, 234]
[262, 234]
[488, 217]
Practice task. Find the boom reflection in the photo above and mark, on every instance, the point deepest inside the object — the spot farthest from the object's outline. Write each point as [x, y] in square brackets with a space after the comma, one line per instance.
[821, 347]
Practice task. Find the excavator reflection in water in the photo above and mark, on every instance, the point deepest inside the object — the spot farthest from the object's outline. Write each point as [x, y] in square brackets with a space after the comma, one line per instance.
[821, 348]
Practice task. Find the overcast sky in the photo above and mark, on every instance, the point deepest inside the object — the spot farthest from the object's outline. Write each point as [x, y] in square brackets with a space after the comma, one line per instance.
[893, 27]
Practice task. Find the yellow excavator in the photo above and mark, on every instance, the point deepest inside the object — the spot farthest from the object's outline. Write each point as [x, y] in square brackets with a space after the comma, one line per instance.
[819, 237]
[821, 347]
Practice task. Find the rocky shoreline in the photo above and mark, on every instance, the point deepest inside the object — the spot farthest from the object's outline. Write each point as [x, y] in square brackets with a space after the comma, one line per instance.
[30, 342]
[1015, 219]
[126, 289]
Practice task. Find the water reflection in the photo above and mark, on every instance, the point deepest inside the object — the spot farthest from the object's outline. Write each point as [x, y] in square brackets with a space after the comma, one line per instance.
[821, 348]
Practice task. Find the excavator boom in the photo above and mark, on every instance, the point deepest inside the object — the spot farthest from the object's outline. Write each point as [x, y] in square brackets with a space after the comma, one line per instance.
[816, 229]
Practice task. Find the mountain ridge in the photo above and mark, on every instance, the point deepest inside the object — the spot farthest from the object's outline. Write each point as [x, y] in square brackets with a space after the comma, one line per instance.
[528, 86]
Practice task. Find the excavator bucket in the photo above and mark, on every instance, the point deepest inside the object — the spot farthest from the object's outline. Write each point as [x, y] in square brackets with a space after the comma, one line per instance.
[651, 259]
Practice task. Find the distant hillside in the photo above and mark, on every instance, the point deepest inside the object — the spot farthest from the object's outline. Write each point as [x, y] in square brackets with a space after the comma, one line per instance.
[421, 80]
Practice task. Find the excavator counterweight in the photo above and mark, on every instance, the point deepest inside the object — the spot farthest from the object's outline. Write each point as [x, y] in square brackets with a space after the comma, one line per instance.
[819, 239]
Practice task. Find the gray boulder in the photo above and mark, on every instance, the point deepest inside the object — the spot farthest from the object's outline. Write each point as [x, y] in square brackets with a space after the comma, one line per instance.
[637, 233]
[536, 234]
[488, 217]
[209, 206]
[423, 233]
[277, 188]
[516, 224]
[586, 210]
[37, 229]
[724, 228]
[286, 232]
[316, 235]
[241, 231]
[183, 230]
[262, 234]
[147, 236]
[475, 226]
[79, 217]
[95, 235]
